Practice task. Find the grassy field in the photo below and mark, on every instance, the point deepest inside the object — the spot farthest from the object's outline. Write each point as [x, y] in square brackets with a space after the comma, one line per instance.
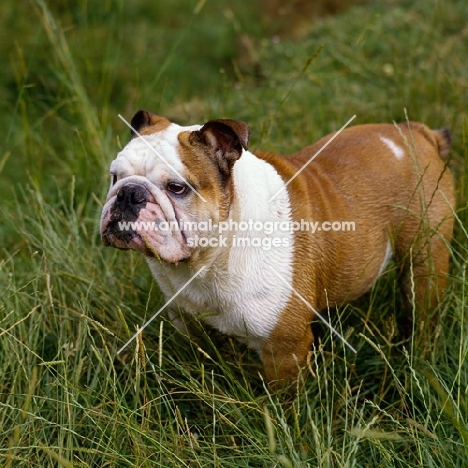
[68, 304]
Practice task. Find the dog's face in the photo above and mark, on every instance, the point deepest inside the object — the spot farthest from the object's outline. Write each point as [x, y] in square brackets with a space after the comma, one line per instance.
[169, 176]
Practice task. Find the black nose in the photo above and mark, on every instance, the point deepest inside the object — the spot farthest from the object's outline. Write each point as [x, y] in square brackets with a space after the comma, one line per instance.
[133, 195]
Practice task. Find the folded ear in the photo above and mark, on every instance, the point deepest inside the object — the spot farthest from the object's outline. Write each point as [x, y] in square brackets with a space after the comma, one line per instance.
[143, 119]
[224, 139]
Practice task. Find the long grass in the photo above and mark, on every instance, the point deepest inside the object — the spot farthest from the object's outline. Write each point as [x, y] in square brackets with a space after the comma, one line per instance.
[67, 304]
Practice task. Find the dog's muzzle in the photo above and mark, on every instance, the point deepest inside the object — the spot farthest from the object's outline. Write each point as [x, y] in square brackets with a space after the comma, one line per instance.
[129, 201]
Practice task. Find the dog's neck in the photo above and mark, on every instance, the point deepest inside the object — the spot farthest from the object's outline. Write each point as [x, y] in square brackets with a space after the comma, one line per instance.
[260, 197]
[259, 191]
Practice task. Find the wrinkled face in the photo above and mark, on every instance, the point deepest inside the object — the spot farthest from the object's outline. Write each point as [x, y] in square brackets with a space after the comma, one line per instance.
[167, 182]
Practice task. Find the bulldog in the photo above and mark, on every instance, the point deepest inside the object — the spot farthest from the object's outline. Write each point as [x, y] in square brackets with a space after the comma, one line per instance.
[185, 196]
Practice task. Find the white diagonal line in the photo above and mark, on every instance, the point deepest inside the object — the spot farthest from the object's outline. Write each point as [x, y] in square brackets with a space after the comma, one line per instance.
[312, 158]
[161, 309]
[342, 338]
[159, 156]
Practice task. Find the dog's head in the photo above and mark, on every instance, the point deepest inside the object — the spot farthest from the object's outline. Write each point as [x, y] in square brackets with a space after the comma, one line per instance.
[169, 177]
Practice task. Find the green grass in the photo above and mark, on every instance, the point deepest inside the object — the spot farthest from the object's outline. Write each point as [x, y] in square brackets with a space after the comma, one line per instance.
[67, 304]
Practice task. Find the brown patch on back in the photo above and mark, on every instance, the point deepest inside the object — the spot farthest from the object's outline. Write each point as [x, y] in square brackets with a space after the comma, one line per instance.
[358, 178]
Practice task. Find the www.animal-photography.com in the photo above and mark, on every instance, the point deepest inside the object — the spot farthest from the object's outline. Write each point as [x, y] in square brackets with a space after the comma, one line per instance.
[234, 234]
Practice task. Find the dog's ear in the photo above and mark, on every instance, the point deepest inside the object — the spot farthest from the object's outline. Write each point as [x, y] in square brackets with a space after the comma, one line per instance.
[225, 139]
[143, 119]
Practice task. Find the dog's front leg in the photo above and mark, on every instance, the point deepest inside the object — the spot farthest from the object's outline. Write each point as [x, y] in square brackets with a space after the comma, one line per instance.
[179, 321]
[284, 354]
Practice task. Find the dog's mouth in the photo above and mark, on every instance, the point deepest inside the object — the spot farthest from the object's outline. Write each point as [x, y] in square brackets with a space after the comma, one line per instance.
[135, 218]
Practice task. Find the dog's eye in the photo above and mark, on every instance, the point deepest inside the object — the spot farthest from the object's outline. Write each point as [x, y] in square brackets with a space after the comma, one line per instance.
[113, 179]
[176, 188]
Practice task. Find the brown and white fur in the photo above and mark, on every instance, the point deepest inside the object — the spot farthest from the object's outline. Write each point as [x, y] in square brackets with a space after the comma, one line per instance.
[391, 181]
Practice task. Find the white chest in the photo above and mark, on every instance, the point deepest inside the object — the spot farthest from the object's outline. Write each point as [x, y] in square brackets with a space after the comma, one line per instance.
[239, 293]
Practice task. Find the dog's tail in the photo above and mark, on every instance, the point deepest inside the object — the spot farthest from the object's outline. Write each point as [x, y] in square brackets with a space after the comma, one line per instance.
[444, 139]
[441, 138]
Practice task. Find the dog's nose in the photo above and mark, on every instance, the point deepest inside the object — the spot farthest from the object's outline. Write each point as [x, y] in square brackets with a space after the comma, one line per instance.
[132, 194]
